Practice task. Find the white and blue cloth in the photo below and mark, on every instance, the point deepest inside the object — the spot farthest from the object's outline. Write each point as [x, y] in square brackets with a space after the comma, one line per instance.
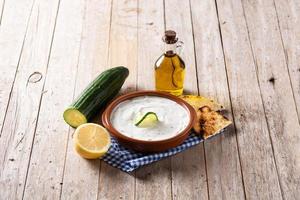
[127, 160]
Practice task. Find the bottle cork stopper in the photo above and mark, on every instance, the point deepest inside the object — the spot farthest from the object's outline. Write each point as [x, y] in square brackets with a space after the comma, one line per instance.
[170, 37]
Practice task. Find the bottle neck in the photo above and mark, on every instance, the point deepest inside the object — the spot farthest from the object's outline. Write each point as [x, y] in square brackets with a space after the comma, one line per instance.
[170, 49]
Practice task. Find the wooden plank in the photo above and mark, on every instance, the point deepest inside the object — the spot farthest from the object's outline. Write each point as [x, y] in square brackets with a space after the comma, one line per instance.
[123, 40]
[289, 26]
[152, 181]
[81, 175]
[222, 159]
[13, 28]
[257, 159]
[277, 93]
[191, 163]
[20, 121]
[2, 3]
[289, 20]
[50, 142]
[113, 183]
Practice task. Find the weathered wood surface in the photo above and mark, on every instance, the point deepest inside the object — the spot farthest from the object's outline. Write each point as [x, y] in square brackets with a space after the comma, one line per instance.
[23, 109]
[277, 94]
[257, 159]
[222, 159]
[245, 54]
[187, 166]
[93, 53]
[12, 35]
[47, 159]
[288, 16]
[154, 181]
[113, 183]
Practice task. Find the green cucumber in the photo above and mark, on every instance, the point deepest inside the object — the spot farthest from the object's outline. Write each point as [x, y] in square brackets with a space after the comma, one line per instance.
[149, 119]
[95, 96]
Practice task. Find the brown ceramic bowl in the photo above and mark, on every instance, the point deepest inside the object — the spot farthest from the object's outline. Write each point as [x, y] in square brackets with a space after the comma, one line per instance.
[143, 145]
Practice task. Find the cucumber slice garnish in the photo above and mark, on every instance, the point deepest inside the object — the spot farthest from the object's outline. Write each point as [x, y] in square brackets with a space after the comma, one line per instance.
[147, 120]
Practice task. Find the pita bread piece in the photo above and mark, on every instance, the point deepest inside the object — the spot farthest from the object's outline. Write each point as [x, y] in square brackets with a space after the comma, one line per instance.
[199, 101]
[209, 122]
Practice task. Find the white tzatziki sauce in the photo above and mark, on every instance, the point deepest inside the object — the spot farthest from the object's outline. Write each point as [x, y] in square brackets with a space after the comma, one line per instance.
[173, 118]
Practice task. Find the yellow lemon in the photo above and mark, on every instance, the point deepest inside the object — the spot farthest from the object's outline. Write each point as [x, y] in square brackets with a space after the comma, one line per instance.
[91, 140]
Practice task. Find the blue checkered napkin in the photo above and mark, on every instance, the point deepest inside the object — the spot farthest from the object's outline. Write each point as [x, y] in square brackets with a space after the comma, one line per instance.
[127, 160]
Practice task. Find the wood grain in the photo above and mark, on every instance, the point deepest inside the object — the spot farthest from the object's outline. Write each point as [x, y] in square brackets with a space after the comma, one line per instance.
[277, 95]
[123, 40]
[257, 159]
[113, 183]
[2, 4]
[244, 54]
[20, 122]
[50, 142]
[153, 181]
[222, 159]
[288, 17]
[289, 25]
[191, 163]
[80, 175]
[12, 35]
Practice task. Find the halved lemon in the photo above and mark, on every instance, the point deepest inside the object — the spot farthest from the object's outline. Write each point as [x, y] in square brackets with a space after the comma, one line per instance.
[147, 120]
[91, 140]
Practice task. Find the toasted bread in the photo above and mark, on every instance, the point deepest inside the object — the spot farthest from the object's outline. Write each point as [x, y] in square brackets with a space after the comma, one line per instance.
[209, 122]
[199, 101]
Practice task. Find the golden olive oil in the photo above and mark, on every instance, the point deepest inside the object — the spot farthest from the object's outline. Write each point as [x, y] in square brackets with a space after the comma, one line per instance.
[169, 74]
[169, 67]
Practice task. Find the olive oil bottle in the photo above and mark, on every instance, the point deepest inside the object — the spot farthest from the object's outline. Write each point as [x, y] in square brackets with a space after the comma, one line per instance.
[169, 67]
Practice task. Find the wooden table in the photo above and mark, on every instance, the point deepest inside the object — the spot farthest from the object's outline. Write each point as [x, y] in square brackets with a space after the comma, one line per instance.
[243, 53]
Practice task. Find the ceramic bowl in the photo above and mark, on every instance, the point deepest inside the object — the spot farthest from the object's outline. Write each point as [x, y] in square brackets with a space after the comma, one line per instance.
[143, 145]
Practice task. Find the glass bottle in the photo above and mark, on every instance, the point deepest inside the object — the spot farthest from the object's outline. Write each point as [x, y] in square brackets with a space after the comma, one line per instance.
[169, 67]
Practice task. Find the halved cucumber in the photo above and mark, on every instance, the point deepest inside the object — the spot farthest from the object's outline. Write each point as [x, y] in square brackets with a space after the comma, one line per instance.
[95, 96]
[74, 117]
